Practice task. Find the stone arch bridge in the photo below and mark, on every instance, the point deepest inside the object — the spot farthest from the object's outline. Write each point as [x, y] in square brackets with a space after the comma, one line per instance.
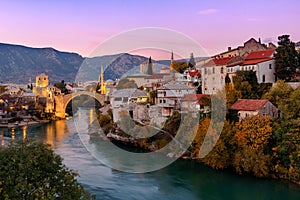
[62, 101]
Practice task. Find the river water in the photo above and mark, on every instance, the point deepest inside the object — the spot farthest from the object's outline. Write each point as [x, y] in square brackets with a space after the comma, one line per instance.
[180, 180]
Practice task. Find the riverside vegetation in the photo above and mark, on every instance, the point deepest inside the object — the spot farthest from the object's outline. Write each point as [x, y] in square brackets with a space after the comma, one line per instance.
[257, 145]
[31, 170]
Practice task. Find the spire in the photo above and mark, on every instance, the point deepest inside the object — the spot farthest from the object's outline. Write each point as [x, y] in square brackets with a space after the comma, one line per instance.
[172, 57]
[150, 67]
[103, 88]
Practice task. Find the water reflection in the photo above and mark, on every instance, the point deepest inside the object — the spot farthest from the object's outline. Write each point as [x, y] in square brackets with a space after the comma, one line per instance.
[91, 115]
[181, 180]
[60, 130]
[13, 133]
[24, 130]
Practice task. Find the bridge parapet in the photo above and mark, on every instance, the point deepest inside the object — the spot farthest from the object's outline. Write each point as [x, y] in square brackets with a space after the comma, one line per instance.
[62, 101]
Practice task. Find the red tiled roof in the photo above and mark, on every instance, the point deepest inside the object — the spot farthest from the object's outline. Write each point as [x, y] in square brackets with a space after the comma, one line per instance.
[249, 104]
[234, 64]
[260, 54]
[196, 97]
[194, 73]
[218, 61]
[255, 61]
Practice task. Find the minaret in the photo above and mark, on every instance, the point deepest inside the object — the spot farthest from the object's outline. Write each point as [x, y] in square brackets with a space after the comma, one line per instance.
[150, 67]
[172, 62]
[103, 88]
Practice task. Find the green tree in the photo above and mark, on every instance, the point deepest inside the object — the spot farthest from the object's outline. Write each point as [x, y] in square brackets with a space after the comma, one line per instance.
[31, 170]
[246, 83]
[126, 83]
[286, 58]
[286, 138]
[279, 94]
[61, 86]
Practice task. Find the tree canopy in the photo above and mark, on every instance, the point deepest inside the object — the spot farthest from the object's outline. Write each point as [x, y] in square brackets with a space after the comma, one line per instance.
[126, 83]
[179, 66]
[62, 86]
[286, 58]
[31, 170]
[246, 83]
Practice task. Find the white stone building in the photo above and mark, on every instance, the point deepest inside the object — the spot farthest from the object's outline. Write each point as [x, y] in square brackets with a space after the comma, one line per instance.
[213, 75]
[261, 62]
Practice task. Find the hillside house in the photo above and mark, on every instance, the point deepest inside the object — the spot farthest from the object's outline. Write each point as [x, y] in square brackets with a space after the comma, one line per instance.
[125, 99]
[250, 107]
[196, 103]
[169, 96]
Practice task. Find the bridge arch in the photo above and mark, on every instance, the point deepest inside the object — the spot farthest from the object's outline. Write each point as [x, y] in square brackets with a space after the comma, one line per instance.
[63, 100]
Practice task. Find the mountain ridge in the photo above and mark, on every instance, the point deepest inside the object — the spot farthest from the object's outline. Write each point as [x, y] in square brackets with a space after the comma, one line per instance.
[19, 63]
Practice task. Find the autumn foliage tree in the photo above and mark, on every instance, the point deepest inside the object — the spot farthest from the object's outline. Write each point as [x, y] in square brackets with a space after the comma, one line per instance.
[252, 137]
[179, 66]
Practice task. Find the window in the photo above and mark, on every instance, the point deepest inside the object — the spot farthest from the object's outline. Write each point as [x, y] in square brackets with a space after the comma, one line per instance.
[270, 66]
[263, 78]
[213, 70]
[125, 99]
[205, 71]
[222, 70]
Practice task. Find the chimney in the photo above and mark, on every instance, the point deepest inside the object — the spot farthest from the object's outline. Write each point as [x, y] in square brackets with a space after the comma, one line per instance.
[229, 48]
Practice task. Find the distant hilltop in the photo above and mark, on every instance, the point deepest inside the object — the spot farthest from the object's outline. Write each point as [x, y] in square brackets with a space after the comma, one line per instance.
[19, 63]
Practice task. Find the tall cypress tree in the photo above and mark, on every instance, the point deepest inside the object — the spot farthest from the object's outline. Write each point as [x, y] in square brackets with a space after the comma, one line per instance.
[286, 58]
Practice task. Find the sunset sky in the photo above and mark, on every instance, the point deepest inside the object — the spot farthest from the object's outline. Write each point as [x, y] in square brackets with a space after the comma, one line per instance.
[80, 26]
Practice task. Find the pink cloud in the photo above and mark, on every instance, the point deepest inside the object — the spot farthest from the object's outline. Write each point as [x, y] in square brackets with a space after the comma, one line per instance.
[208, 11]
